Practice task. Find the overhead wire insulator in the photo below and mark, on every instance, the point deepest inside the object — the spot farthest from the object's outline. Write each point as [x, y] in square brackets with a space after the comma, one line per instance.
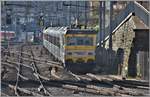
[8, 19]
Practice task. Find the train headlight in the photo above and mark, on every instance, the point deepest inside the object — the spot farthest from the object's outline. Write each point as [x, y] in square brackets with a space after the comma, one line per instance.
[91, 53]
[69, 53]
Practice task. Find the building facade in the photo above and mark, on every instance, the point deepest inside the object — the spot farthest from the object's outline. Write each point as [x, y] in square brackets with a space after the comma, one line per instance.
[32, 16]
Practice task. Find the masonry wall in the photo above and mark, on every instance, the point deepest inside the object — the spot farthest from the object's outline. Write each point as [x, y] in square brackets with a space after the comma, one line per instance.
[123, 38]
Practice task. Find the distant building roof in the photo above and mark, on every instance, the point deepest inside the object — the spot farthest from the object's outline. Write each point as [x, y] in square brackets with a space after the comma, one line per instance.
[139, 23]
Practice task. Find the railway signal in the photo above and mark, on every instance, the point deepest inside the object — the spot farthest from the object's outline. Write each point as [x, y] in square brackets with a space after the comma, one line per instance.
[8, 16]
[41, 21]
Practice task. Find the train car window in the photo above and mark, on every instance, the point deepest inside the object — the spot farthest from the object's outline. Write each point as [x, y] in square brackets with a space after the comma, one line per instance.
[50, 38]
[58, 41]
[45, 36]
[54, 40]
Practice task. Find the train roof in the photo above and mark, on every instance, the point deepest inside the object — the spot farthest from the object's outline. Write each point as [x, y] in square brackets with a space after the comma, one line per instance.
[55, 30]
[64, 30]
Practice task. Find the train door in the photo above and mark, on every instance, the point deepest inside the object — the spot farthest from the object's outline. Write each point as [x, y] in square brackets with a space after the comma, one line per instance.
[62, 48]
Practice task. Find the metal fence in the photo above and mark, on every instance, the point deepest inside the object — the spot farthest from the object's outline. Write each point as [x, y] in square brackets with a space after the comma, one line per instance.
[106, 61]
[143, 61]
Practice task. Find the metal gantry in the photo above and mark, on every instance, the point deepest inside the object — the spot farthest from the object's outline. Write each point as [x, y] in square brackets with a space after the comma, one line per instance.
[110, 29]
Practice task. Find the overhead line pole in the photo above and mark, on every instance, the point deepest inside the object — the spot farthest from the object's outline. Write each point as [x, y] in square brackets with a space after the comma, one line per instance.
[85, 26]
[77, 5]
[77, 17]
[5, 37]
[70, 15]
[103, 22]
[25, 25]
[110, 29]
[100, 22]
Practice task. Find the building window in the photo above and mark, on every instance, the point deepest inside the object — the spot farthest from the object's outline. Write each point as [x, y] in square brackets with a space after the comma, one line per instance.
[59, 5]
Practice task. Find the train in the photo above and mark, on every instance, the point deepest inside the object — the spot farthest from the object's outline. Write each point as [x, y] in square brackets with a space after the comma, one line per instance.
[74, 48]
[8, 35]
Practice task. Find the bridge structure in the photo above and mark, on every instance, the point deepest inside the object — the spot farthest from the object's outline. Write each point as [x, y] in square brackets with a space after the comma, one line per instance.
[133, 8]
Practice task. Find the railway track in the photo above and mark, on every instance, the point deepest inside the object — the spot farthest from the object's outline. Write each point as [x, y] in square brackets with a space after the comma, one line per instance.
[19, 71]
[19, 74]
[80, 86]
[35, 69]
[89, 83]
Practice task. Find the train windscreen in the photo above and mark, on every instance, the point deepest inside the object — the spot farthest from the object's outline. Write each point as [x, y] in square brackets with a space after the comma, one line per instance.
[81, 41]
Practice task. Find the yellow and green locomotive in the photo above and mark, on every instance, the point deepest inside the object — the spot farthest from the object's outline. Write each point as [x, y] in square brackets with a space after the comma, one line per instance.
[75, 48]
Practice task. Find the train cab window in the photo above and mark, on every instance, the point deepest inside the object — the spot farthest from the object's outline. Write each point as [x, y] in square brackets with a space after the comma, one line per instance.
[80, 41]
[71, 41]
[89, 41]
[84, 41]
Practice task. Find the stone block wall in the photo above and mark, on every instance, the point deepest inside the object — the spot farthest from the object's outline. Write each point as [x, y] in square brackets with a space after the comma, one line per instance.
[123, 38]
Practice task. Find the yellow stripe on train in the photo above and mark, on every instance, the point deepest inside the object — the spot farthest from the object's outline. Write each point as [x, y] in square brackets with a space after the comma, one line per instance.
[75, 59]
[80, 47]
